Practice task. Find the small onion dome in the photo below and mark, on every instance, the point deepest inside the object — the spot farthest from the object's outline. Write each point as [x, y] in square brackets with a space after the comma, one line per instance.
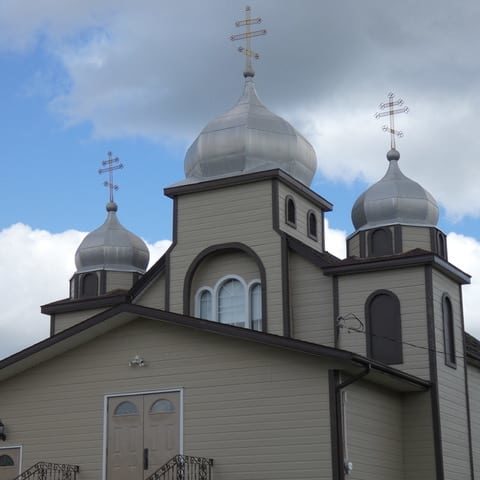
[249, 138]
[112, 247]
[394, 199]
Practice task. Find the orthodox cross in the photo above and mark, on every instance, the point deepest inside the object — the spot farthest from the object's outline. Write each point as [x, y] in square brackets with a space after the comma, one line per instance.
[247, 51]
[113, 163]
[391, 111]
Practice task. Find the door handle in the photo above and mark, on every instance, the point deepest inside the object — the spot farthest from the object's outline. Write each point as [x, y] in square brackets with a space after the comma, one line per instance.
[145, 458]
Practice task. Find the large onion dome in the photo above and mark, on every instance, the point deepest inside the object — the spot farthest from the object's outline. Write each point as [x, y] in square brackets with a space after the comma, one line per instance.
[394, 199]
[112, 247]
[249, 138]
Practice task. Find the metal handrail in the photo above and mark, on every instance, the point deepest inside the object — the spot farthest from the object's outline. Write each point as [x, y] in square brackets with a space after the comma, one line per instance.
[50, 471]
[183, 467]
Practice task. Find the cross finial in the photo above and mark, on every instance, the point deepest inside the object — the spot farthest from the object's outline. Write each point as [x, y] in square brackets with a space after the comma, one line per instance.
[391, 112]
[247, 51]
[113, 163]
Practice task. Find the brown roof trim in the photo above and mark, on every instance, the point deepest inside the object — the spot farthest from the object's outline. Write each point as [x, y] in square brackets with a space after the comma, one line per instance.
[414, 258]
[157, 269]
[294, 184]
[219, 329]
[320, 259]
[69, 305]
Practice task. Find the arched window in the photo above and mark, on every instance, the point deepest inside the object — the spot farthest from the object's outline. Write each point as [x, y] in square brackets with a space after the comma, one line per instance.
[162, 406]
[384, 331]
[205, 305]
[448, 332]
[6, 461]
[90, 285]
[126, 408]
[231, 303]
[381, 242]
[312, 225]
[290, 216]
[256, 307]
[441, 249]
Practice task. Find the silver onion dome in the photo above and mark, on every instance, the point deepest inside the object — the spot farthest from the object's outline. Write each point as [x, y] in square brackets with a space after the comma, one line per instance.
[112, 247]
[394, 199]
[249, 138]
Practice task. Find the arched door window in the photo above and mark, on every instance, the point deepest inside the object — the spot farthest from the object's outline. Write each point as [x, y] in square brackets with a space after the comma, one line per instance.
[448, 332]
[290, 216]
[126, 408]
[256, 306]
[312, 225]
[6, 461]
[384, 331]
[90, 285]
[381, 242]
[231, 303]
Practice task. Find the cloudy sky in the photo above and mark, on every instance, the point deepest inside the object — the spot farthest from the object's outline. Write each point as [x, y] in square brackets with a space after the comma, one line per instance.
[83, 77]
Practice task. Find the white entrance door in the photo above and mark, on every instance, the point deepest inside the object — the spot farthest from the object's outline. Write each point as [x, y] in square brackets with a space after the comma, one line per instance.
[143, 434]
[9, 463]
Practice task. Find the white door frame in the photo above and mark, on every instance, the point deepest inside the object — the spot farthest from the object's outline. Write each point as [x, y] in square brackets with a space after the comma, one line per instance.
[20, 458]
[128, 394]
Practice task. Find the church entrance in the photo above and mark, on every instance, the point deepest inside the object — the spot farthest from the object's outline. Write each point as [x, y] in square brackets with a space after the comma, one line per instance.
[9, 463]
[143, 434]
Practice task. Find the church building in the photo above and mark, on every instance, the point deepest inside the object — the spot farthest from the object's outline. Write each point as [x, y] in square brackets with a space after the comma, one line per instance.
[248, 350]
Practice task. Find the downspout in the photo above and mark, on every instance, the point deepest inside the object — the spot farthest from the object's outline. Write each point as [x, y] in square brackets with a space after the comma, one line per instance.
[340, 395]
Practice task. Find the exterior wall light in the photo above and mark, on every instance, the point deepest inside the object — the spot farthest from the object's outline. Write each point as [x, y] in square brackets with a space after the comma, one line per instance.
[136, 361]
[3, 437]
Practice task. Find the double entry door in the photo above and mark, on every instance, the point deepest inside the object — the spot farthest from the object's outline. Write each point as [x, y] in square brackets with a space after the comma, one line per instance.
[143, 434]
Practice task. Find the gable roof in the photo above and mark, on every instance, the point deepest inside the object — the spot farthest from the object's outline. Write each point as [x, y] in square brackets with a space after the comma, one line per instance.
[121, 314]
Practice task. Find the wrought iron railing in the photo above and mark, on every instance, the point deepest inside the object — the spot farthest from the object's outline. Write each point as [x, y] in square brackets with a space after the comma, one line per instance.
[184, 467]
[49, 471]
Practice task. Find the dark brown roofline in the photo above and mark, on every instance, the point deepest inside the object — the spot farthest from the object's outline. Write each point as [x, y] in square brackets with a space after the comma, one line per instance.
[219, 329]
[294, 184]
[68, 305]
[150, 275]
[414, 258]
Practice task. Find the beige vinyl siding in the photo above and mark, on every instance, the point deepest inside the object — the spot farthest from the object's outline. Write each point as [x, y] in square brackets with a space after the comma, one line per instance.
[474, 394]
[354, 246]
[241, 213]
[119, 281]
[302, 206]
[311, 299]
[374, 441]
[67, 320]
[253, 409]
[418, 438]
[154, 295]
[416, 237]
[408, 284]
[451, 385]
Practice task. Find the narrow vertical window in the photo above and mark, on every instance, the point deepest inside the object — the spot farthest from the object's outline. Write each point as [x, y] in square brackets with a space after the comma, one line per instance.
[384, 332]
[231, 303]
[442, 251]
[381, 242]
[205, 305]
[256, 307]
[312, 225]
[290, 212]
[448, 332]
[90, 285]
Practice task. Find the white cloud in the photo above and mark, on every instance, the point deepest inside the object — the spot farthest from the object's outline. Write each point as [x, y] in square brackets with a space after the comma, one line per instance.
[464, 252]
[35, 267]
[335, 241]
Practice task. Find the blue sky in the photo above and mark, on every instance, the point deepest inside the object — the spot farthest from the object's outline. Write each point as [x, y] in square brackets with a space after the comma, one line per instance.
[141, 79]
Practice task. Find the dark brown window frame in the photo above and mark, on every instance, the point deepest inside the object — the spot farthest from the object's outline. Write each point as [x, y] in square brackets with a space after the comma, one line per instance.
[448, 332]
[290, 201]
[398, 319]
[313, 236]
[371, 252]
